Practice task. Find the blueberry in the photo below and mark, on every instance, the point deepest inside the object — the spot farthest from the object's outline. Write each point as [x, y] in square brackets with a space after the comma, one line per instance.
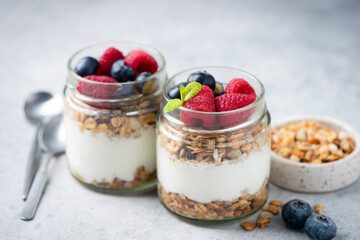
[320, 227]
[143, 75]
[219, 89]
[174, 92]
[86, 66]
[146, 86]
[121, 72]
[295, 213]
[125, 91]
[204, 78]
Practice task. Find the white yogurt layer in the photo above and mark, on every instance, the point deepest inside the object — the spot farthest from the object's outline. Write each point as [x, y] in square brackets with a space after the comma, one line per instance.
[206, 183]
[97, 157]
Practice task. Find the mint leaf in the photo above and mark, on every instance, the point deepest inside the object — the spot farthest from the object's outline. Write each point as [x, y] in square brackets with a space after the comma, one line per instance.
[191, 90]
[186, 93]
[182, 92]
[172, 105]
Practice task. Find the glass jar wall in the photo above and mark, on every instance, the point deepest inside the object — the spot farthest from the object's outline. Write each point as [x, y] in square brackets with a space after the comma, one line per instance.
[110, 143]
[217, 168]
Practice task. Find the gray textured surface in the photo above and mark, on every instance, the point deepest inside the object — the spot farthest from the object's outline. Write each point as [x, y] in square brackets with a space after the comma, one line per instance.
[306, 53]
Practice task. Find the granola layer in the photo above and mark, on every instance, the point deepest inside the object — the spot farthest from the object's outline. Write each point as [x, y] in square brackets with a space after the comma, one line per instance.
[208, 148]
[214, 210]
[126, 121]
[141, 176]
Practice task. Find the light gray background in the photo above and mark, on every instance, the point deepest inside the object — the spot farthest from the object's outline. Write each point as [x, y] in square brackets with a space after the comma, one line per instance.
[307, 53]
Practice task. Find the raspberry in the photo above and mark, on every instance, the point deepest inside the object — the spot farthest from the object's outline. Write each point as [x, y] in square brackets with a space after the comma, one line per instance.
[107, 59]
[233, 101]
[204, 102]
[96, 90]
[141, 61]
[239, 85]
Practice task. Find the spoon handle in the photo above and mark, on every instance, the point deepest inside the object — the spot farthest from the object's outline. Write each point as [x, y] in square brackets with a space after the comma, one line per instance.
[36, 191]
[32, 165]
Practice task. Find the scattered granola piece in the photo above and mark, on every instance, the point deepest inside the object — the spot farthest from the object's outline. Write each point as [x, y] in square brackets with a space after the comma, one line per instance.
[318, 208]
[276, 203]
[265, 214]
[248, 226]
[262, 222]
[272, 208]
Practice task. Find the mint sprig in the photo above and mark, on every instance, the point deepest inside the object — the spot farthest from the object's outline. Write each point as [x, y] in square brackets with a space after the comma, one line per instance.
[186, 93]
[172, 105]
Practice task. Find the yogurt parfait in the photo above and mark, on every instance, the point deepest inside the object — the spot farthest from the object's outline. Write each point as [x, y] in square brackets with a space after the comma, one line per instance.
[112, 95]
[213, 144]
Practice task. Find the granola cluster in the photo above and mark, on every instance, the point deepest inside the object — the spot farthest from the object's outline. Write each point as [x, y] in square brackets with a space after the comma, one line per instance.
[205, 148]
[310, 142]
[141, 176]
[214, 210]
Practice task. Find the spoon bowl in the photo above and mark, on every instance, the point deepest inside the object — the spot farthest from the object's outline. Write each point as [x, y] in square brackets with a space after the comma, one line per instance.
[40, 105]
[52, 135]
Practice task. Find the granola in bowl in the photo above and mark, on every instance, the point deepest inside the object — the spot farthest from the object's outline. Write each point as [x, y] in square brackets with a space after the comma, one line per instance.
[310, 142]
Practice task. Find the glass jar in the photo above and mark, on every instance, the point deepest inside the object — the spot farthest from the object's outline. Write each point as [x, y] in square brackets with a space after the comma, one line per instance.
[219, 170]
[110, 144]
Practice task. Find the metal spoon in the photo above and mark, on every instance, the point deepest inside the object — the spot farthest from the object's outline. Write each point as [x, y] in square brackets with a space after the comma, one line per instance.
[37, 106]
[52, 141]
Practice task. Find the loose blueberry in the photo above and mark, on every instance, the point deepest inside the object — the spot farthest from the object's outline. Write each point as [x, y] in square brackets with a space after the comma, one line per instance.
[175, 91]
[86, 66]
[203, 78]
[121, 72]
[320, 227]
[295, 213]
[125, 91]
[146, 86]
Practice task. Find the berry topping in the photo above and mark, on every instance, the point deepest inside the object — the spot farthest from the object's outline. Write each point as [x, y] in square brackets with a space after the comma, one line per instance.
[121, 72]
[141, 61]
[86, 66]
[232, 101]
[239, 85]
[107, 59]
[174, 92]
[320, 227]
[125, 91]
[203, 78]
[219, 89]
[295, 212]
[98, 91]
[204, 102]
[145, 84]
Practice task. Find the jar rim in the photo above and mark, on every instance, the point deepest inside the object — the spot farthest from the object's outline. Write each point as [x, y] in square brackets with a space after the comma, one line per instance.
[258, 98]
[109, 43]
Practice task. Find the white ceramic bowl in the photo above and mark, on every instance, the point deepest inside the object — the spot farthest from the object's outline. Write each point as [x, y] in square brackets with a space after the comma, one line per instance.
[316, 178]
